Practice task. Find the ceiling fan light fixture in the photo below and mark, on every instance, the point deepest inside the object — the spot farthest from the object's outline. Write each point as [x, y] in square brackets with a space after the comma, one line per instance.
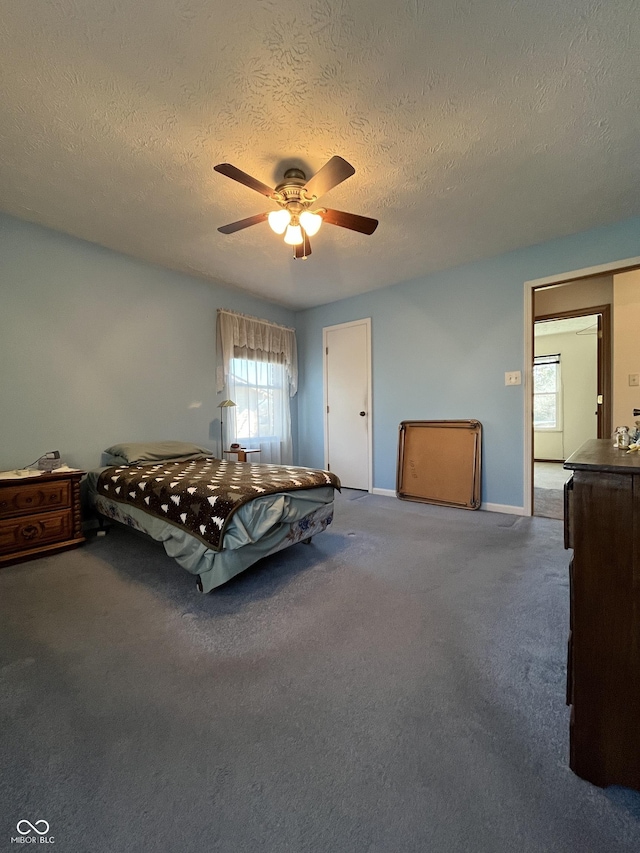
[293, 235]
[295, 195]
[311, 222]
[279, 220]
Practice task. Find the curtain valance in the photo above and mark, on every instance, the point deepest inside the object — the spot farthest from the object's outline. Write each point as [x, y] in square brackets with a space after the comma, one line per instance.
[242, 336]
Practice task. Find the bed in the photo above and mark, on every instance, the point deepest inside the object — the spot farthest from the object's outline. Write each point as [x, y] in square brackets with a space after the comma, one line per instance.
[214, 517]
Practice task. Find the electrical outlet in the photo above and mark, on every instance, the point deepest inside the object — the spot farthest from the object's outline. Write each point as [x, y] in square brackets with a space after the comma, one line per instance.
[634, 379]
[513, 377]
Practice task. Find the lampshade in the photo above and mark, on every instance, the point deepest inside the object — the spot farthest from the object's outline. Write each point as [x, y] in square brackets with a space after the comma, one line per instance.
[278, 220]
[225, 404]
[293, 235]
[311, 222]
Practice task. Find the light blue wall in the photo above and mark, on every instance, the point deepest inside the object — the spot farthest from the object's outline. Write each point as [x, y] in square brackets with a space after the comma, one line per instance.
[441, 345]
[96, 348]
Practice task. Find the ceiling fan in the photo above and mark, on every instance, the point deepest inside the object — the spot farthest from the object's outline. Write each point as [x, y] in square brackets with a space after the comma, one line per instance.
[296, 196]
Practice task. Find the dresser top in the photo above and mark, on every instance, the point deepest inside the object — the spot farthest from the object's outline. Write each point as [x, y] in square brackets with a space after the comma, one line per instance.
[599, 454]
[13, 478]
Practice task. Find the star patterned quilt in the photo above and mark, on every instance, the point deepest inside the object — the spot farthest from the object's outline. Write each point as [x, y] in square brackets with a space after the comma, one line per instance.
[201, 495]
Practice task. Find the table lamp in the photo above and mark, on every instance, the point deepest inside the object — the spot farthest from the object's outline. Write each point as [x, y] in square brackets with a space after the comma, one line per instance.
[223, 405]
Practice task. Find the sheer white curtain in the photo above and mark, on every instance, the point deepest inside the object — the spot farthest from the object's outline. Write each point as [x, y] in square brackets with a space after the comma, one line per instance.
[257, 364]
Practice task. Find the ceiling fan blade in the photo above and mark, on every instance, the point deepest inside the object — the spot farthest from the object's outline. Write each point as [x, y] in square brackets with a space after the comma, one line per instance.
[350, 220]
[304, 249]
[242, 177]
[334, 172]
[243, 223]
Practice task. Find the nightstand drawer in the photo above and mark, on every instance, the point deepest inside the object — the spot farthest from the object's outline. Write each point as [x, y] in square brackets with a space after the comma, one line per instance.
[28, 498]
[21, 534]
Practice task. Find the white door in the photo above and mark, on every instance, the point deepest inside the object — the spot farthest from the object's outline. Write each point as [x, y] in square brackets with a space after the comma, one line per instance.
[347, 355]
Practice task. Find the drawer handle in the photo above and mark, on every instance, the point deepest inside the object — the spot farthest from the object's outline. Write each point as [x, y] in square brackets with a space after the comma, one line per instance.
[30, 532]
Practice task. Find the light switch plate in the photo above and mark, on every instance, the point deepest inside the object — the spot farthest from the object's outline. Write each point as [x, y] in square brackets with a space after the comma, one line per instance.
[513, 377]
[634, 379]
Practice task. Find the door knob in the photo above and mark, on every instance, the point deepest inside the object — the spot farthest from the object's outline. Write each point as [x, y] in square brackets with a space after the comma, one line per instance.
[362, 414]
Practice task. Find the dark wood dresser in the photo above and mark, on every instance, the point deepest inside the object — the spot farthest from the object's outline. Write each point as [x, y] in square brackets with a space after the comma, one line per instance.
[602, 525]
[39, 515]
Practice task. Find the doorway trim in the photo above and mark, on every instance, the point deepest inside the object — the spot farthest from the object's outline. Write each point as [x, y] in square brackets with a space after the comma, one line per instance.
[366, 321]
[529, 287]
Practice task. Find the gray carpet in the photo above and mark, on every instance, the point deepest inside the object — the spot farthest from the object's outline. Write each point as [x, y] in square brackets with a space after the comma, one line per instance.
[549, 503]
[395, 687]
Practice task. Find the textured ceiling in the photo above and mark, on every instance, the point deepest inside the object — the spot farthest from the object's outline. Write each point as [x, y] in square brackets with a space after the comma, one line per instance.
[475, 127]
[585, 325]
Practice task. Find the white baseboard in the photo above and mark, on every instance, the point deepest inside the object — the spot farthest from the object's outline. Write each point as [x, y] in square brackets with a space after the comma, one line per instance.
[506, 508]
[509, 510]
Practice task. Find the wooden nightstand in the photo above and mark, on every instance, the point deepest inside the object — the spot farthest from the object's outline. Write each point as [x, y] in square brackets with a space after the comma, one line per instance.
[39, 515]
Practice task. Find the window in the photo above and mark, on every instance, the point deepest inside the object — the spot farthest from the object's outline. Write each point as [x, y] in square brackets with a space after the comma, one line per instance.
[261, 393]
[546, 392]
[258, 370]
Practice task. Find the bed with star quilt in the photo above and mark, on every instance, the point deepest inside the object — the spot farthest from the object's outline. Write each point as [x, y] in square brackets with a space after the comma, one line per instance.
[215, 517]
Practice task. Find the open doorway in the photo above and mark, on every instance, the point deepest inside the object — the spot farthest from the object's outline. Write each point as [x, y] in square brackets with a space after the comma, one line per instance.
[615, 285]
[570, 398]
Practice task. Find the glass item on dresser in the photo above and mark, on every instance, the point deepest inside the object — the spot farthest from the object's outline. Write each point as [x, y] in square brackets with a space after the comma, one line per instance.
[621, 437]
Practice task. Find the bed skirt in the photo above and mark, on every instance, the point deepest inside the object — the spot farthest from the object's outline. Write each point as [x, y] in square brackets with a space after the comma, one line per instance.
[214, 568]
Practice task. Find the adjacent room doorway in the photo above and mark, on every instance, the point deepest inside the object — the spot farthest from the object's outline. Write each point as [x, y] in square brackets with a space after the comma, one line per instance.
[347, 402]
[577, 290]
[571, 396]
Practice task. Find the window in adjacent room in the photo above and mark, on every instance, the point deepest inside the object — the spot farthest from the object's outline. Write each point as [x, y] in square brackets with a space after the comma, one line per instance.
[546, 392]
